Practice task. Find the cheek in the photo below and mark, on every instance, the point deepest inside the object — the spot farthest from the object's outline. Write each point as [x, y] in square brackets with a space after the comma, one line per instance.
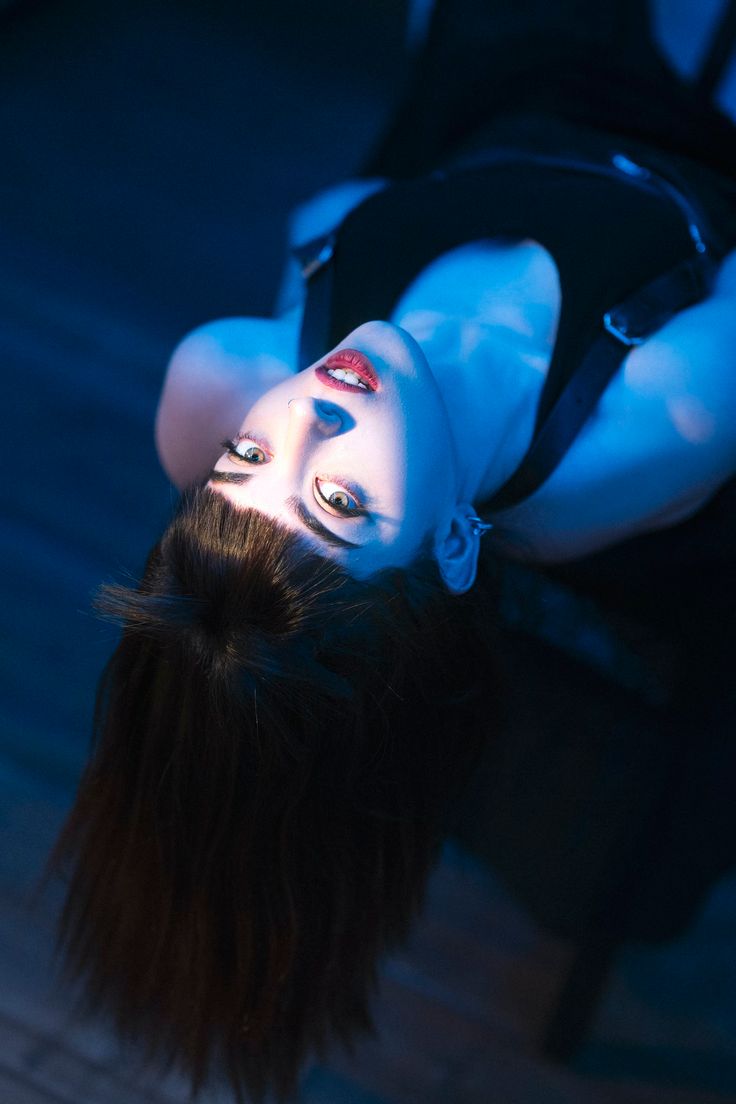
[388, 457]
[272, 406]
[405, 460]
[432, 473]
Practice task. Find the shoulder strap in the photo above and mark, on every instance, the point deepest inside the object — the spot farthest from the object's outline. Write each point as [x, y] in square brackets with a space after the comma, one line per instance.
[628, 324]
[359, 271]
[635, 242]
[314, 258]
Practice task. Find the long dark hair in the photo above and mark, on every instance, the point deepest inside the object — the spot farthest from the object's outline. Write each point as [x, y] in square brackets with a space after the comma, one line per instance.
[276, 744]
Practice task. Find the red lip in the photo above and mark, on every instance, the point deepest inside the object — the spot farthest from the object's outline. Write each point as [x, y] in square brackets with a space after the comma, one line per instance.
[356, 362]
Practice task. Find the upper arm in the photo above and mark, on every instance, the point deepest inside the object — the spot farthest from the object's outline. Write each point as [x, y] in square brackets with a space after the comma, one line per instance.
[664, 435]
[313, 218]
[684, 379]
[214, 376]
[322, 212]
[660, 443]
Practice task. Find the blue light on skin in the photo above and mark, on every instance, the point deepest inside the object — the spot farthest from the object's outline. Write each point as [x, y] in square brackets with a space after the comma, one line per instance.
[395, 444]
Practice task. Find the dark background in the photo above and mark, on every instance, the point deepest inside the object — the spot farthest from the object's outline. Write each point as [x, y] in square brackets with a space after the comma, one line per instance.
[149, 155]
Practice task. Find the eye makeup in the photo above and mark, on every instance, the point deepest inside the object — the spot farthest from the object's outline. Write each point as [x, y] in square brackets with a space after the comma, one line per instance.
[322, 494]
[230, 445]
[237, 478]
[324, 486]
[314, 525]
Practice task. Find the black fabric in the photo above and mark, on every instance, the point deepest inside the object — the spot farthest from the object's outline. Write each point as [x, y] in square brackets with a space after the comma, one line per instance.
[593, 65]
[635, 236]
[477, 157]
[604, 802]
[607, 234]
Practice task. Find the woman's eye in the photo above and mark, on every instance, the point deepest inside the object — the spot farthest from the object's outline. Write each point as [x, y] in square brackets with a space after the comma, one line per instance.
[246, 449]
[337, 497]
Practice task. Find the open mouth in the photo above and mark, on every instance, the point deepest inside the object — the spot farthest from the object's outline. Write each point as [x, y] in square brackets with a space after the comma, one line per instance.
[348, 370]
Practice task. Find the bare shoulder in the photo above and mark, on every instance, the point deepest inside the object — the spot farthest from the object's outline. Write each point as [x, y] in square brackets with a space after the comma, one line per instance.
[670, 414]
[323, 211]
[214, 376]
[689, 366]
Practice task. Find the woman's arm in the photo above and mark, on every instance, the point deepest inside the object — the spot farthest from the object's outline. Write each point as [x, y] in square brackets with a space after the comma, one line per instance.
[213, 378]
[661, 442]
[220, 369]
[311, 219]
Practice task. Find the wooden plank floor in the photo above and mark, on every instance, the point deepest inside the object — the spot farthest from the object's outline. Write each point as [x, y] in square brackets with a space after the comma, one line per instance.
[146, 175]
[458, 1011]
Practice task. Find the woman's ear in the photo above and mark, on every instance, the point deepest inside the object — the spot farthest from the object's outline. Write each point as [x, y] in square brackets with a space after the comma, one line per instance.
[456, 549]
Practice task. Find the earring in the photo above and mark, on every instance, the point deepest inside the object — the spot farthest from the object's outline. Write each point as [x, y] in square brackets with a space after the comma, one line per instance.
[479, 527]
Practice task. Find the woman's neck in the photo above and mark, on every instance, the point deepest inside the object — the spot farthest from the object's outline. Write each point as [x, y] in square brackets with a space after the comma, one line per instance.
[490, 380]
[485, 316]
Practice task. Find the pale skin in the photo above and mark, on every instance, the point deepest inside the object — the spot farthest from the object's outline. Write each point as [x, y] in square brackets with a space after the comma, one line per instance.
[460, 377]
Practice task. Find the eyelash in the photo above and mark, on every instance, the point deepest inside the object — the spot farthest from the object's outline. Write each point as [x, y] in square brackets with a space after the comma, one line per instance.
[230, 446]
[359, 511]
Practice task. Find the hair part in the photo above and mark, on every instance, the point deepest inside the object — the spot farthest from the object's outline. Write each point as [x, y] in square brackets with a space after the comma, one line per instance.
[275, 747]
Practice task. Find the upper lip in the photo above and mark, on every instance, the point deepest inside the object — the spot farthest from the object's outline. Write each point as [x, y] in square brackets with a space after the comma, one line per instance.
[356, 362]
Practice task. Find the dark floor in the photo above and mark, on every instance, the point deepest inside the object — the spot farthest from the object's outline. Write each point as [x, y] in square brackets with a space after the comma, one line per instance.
[151, 152]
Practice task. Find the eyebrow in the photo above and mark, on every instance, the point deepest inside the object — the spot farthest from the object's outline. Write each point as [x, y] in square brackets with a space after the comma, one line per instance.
[314, 525]
[229, 477]
[297, 507]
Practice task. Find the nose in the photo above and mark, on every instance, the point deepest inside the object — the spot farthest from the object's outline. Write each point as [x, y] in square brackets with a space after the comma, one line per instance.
[308, 415]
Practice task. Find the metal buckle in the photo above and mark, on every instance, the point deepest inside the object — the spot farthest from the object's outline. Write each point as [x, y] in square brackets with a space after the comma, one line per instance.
[618, 330]
[311, 264]
[625, 165]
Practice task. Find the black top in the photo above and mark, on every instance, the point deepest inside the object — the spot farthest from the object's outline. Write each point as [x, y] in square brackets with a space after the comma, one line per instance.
[655, 611]
[484, 91]
[630, 249]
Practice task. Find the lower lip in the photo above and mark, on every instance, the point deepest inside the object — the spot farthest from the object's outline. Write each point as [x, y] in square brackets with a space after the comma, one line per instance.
[353, 361]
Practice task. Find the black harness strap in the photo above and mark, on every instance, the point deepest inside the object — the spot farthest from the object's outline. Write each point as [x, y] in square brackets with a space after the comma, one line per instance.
[383, 243]
[314, 257]
[628, 324]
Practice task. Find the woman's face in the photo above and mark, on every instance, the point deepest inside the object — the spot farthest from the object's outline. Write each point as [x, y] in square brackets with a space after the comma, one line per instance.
[354, 453]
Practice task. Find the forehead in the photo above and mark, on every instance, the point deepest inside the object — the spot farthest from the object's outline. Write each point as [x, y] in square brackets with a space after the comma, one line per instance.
[362, 560]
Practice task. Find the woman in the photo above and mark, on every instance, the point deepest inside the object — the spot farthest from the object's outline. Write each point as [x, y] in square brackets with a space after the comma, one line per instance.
[498, 347]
